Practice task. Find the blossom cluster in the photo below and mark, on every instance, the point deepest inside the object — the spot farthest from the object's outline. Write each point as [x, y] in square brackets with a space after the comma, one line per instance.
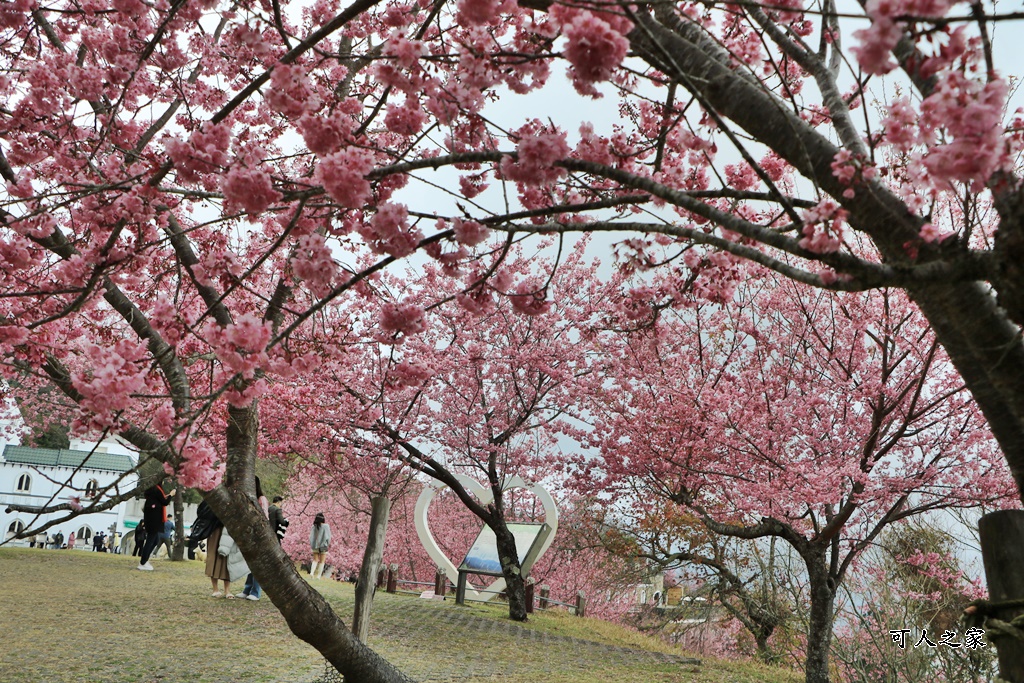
[343, 176]
[824, 227]
[389, 232]
[538, 150]
[118, 372]
[313, 263]
[400, 320]
[596, 45]
[199, 467]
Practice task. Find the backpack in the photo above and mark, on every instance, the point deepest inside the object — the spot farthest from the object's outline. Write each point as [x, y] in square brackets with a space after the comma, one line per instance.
[206, 523]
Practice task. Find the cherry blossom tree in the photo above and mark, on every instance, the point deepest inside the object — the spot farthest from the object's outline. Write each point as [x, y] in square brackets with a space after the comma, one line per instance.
[347, 475]
[479, 393]
[917, 579]
[762, 422]
[742, 578]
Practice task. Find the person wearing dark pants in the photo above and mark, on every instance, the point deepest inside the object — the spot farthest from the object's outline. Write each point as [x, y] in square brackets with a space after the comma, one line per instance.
[140, 540]
[154, 514]
[252, 586]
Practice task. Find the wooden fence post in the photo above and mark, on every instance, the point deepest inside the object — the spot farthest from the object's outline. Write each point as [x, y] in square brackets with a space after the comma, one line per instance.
[545, 592]
[529, 596]
[460, 590]
[439, 581]
[380, 577]
[392, 578]
[581, 604]
[1002, 551]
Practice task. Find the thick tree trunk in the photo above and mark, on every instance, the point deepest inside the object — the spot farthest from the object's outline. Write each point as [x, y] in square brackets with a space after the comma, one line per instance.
[1002, 545]
[308, 614]
[819, 632]
[764, 653]
[986, 350]
[515, 584]
[379, 515]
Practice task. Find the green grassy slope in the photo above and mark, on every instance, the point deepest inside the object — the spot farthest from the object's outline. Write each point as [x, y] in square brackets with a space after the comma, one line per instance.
[82, 617]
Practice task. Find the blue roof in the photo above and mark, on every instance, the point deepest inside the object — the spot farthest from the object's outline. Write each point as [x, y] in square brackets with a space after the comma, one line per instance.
[64, 457]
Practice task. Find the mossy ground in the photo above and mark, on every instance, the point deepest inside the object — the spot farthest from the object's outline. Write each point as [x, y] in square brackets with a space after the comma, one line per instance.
[83, 617]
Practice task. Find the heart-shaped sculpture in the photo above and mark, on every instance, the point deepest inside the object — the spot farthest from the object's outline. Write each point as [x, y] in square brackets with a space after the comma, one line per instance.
[483, 494]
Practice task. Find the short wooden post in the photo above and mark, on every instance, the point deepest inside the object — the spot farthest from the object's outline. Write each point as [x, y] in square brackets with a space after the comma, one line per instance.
[529, 596]
[581, 604]
[392, 578]
[380, 577]
[439, 582]
[460, 590]
[1002, 551]
[545, 592]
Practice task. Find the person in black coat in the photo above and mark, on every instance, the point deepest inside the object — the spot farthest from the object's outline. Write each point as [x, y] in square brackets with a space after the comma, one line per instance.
[277, 521]
[154, 514]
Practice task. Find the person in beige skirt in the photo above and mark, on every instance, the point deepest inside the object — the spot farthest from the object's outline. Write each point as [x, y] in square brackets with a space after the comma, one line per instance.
[217, 565]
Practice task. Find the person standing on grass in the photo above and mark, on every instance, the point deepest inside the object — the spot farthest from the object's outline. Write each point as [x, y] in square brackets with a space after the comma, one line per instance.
[154, 514]
[319, 542]
[140, 540]
[252, 586]
[277, 521]
[166, 534]
[217, 564]
[71, 541]
[234, 563]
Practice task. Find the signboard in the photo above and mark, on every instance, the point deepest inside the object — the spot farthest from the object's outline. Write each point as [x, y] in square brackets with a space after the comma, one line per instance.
[482, 557]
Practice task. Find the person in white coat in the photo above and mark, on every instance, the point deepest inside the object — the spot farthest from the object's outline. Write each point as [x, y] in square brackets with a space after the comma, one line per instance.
[236, 565]
[319, 542]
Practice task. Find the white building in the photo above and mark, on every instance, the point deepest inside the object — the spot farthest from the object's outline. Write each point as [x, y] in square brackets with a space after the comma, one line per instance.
[42, 476]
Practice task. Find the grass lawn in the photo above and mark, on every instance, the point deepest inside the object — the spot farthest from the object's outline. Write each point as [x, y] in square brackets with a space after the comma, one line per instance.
[83, 617]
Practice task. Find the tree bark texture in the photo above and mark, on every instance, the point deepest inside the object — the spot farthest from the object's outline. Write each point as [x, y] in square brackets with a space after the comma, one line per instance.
[1002, 550]
[515, 584]
[380, 512]
[819, 632]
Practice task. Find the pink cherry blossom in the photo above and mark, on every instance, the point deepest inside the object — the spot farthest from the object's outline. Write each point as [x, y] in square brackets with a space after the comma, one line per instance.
[536, 155]
[389, 232]
[529, 299]
[469, 233]
[399, 321]
[291, 94]
[324, 134]
[206, 151]
[407, 119]
[823, 230]
[595, 47]
[478, 12]
[314, 263]
[251, 190]
[342, 175]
